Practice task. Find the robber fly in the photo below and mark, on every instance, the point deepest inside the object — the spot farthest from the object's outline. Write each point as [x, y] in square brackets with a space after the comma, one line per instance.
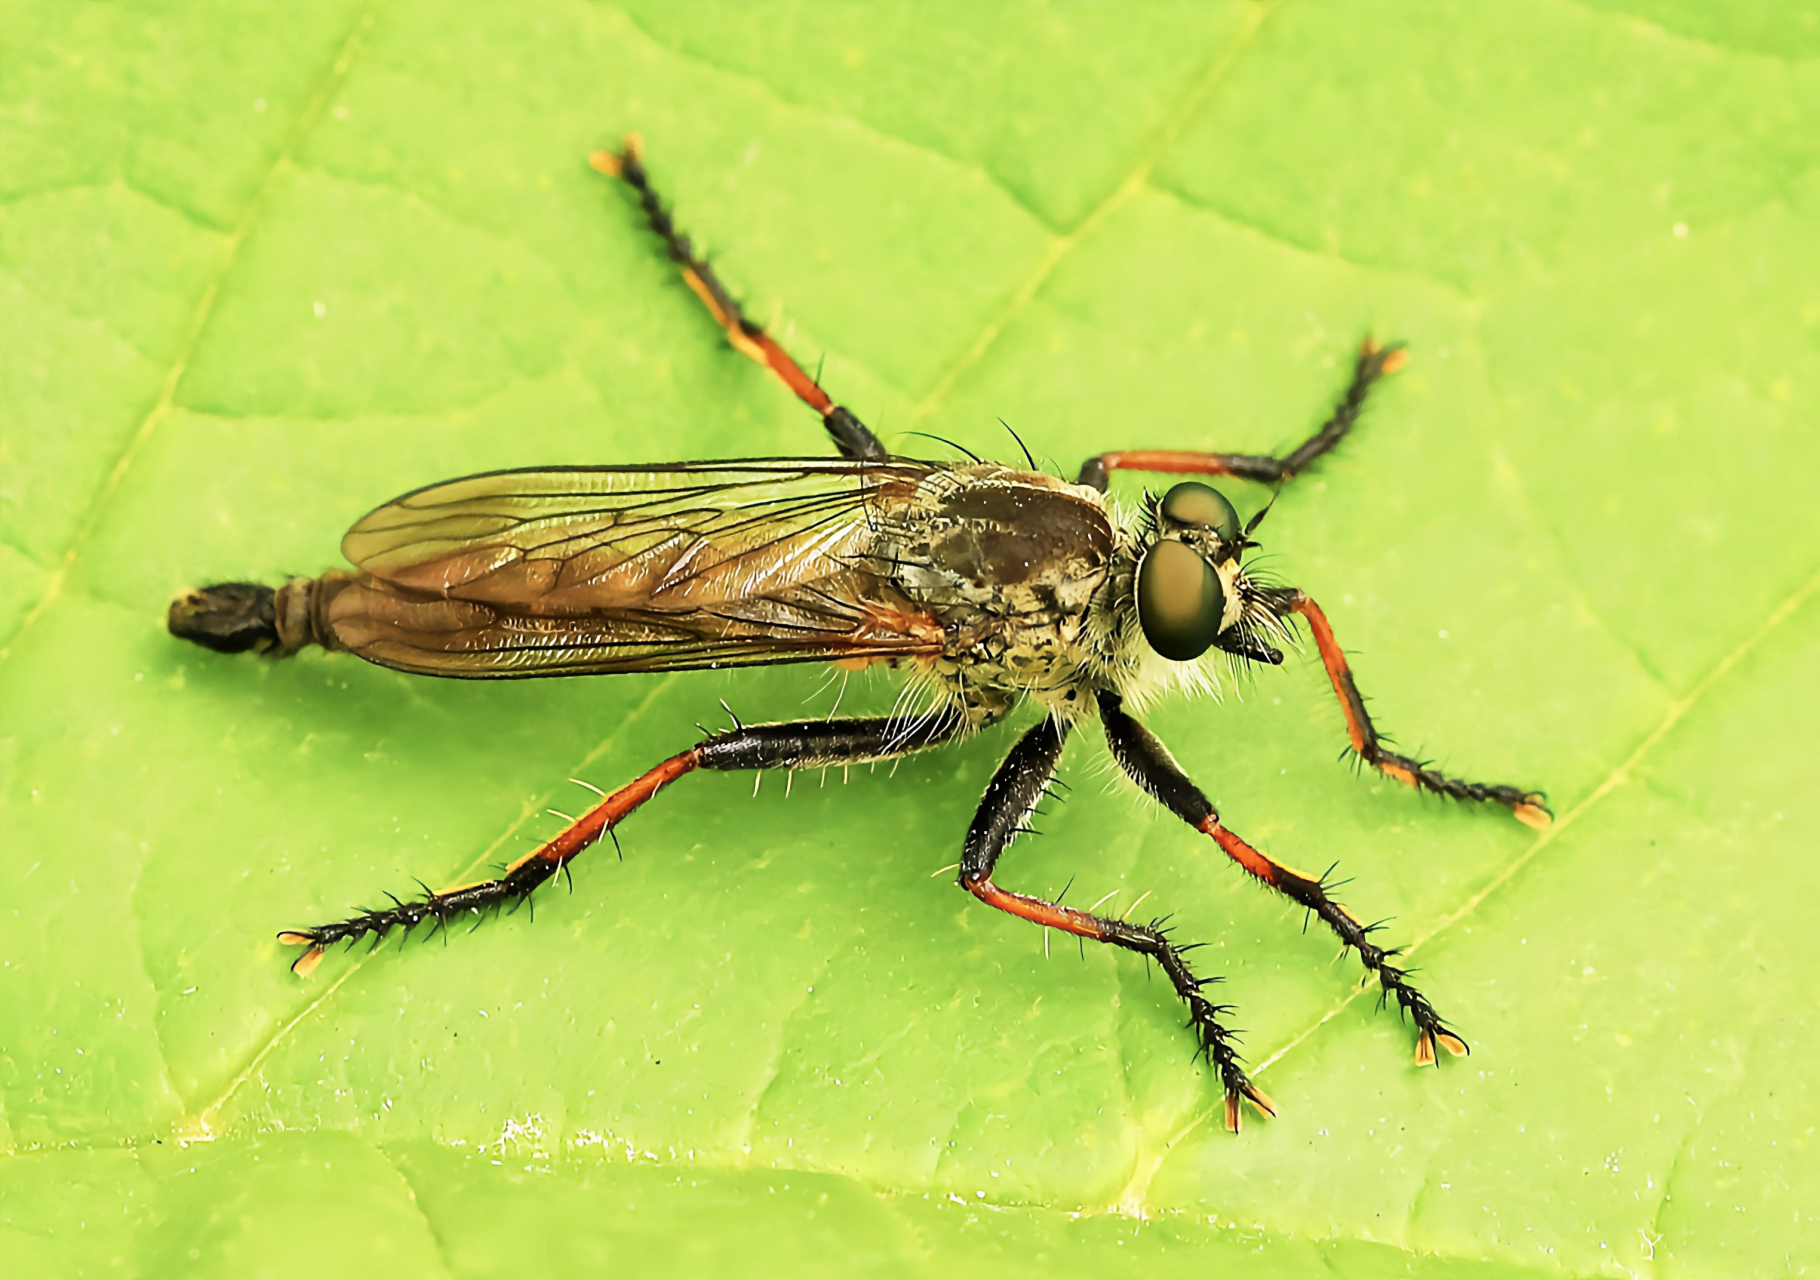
[991, 585]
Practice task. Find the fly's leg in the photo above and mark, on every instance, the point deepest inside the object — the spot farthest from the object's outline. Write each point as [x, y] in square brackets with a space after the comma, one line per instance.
[1004, 812]
[851, 436]
[1148, 763]
[809, 744]
[1374, 362]
[1529, 807]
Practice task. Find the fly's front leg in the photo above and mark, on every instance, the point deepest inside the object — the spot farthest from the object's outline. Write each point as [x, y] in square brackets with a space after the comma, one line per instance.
[809, 744]
[1529, 807]
[851, 436]
[1148, 763]
[1004, 812]
[1374, 362]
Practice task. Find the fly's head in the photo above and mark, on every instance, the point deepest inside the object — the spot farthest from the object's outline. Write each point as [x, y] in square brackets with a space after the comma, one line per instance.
[1186, 593]
[1187, 584]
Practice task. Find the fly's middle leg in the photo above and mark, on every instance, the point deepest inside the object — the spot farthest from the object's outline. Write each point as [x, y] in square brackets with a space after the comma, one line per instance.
[851, 436]
[1011, 797]
[1148, 763]
[808, 744]
[1373, 362]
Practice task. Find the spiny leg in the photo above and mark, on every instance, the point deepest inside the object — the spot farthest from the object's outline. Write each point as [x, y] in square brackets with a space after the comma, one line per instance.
[1148, 763]
[808, 744]
[1021, 781]
[1529, 807]
[854, 439]
[1374, 362]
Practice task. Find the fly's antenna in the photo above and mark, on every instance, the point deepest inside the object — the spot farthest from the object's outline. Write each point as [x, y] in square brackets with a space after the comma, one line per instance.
[1258, 519]
[1020, 443]
[945, 440]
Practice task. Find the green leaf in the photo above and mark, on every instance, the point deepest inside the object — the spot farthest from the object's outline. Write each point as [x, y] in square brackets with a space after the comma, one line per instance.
[265, 267]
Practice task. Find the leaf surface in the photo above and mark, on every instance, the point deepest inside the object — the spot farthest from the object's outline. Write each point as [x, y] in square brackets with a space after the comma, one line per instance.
[266, 267]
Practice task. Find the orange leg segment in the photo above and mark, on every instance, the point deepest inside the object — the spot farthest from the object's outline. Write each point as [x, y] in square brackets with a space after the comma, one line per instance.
[516, 884]
[1038, 911]
[1148, 940]
[1147, 763]
[611, 811]
[748, 338]
[1529, 807]
[1312, 894]
[801, 745]
[1011, 797]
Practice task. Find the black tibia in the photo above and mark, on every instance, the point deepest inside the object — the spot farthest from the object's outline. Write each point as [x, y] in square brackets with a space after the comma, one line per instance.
[1373, 362]
[851, 436]
[1148, 763]
[1011, 797]
[808, 744]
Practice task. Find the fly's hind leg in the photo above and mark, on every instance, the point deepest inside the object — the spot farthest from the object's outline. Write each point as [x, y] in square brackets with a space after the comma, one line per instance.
[808, 744]
[1373, 362]
[851, 436]
[1148, 763]
[1004, 812]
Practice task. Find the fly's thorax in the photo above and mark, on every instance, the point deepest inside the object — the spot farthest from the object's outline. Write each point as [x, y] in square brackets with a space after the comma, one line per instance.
[991, 542]
[1010, 561]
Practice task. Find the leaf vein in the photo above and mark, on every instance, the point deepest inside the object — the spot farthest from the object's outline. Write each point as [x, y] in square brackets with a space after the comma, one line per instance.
[202, 1125]
[1636, 21]
[200, 315]
[1136, 180]
[771, 90]
[1618, 777]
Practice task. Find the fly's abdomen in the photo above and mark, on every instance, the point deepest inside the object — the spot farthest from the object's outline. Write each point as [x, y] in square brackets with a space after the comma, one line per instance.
[250, 617]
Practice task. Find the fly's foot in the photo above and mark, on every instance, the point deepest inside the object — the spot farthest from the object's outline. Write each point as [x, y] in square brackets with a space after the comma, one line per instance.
[1528, 807]
[1533, 811]
[1218, 1047]
[1217, 1044]
[1393, 983]
[515, 886]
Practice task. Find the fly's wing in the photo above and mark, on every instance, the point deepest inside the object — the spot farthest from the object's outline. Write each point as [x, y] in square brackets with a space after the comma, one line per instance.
[588, 570]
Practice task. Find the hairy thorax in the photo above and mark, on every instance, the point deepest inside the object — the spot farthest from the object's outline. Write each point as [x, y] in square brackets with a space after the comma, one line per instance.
[1010, 562]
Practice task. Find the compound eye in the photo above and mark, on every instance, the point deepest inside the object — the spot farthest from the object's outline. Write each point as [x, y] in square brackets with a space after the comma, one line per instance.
[1180, 601]
[1192, 502]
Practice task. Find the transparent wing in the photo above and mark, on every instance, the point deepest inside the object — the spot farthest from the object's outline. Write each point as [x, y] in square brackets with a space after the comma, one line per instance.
[585, 570]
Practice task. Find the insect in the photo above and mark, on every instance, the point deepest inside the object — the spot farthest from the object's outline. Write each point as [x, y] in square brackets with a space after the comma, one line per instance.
[990, 585]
